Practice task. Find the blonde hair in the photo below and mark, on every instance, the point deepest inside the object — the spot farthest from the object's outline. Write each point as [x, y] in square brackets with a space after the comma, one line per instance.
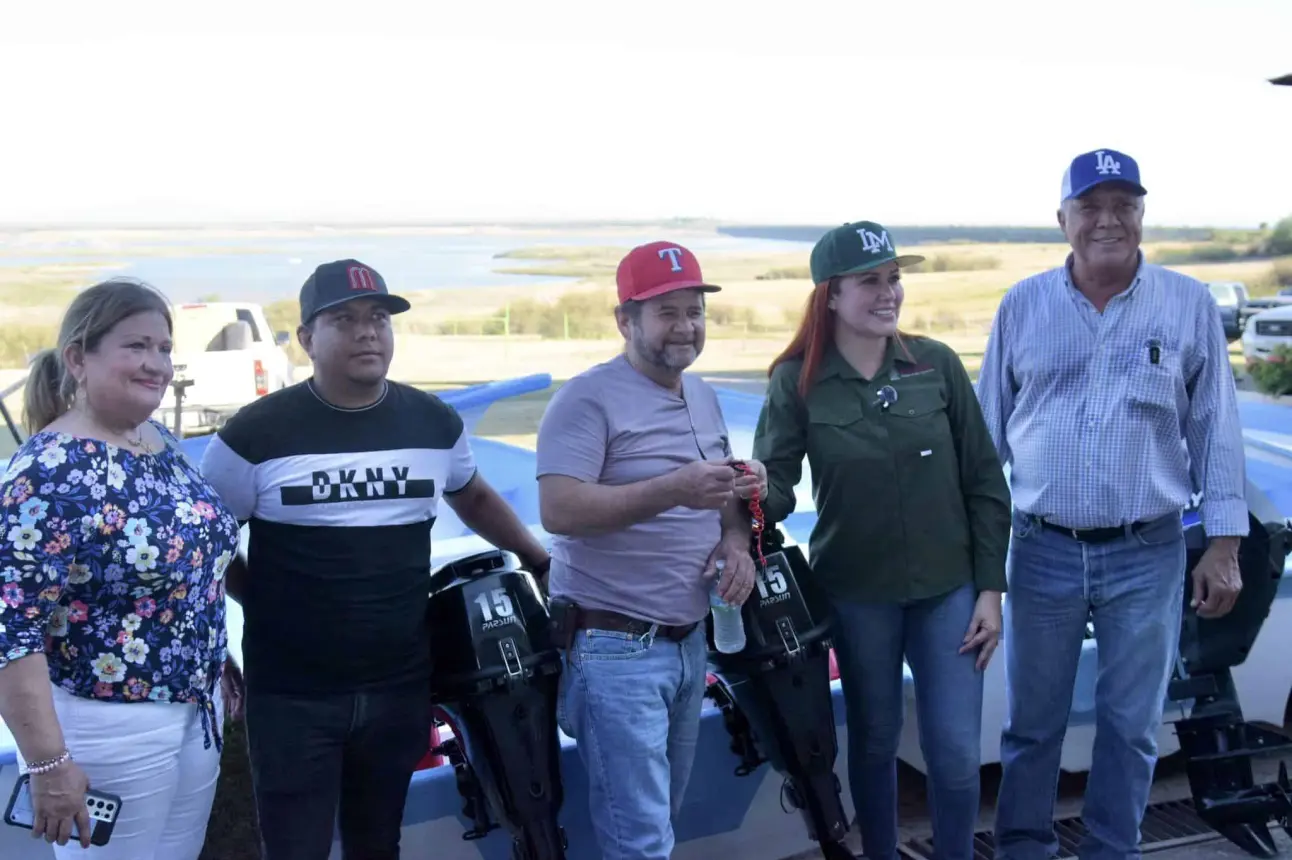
[50, 389]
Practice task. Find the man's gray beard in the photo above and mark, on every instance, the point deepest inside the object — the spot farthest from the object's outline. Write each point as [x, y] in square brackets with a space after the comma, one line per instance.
[659, 358]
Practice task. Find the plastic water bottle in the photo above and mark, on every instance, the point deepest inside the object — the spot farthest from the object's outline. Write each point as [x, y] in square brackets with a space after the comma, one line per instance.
[728, 626]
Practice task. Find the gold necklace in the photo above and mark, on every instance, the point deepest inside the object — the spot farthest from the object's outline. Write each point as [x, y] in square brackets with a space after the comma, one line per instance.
[138, 441]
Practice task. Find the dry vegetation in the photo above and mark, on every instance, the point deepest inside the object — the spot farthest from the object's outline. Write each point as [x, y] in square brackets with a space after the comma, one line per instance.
[457, 336]
[472, 335]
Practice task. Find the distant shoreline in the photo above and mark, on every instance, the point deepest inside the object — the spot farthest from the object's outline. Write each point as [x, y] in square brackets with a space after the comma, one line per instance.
[17, 238]
[26, 236]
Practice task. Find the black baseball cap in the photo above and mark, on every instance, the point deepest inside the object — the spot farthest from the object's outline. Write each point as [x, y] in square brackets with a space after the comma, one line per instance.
[342, 281]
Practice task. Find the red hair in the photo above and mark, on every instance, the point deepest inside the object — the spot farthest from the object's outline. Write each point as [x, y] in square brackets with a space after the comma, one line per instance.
[816, 333]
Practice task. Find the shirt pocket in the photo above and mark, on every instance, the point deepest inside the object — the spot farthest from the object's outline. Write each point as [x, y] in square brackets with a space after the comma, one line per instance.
[919, 403]
[1155, 386]
[920, 425]
[838, 411]
[835, 428]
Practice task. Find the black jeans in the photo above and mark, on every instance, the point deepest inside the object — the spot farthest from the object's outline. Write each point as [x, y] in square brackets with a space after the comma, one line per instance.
[314, 754]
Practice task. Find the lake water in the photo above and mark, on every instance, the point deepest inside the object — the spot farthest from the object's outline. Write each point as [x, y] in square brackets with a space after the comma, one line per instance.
[266, 269]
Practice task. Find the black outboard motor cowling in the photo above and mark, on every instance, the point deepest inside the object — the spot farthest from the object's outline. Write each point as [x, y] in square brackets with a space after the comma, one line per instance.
[775, 694]
[496, 677]
[1217, 741]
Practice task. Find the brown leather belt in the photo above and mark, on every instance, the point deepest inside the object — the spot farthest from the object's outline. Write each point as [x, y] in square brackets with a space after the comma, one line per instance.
[604, 619]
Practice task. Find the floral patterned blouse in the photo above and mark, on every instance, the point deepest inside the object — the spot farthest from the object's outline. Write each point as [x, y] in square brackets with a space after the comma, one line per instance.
[112, 563]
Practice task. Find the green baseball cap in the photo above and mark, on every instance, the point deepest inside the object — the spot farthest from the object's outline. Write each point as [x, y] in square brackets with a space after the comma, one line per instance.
[856, 247]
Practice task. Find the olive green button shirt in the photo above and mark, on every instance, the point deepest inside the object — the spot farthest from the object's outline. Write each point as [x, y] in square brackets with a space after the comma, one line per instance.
[911, 501]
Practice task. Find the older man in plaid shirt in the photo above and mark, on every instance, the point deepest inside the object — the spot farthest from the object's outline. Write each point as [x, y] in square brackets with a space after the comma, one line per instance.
[1107, 389]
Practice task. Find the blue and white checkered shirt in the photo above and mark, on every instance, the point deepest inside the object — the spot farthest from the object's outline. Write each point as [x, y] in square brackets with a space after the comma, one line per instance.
[1112, 418]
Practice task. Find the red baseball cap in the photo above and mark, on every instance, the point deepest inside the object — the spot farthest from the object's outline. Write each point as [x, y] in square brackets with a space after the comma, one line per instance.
[658, 268]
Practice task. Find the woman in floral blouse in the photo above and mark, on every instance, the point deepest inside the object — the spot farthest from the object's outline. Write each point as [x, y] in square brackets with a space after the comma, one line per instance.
[112, 555]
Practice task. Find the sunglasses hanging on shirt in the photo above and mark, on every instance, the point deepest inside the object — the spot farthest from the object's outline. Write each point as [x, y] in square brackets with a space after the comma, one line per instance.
[691, 420]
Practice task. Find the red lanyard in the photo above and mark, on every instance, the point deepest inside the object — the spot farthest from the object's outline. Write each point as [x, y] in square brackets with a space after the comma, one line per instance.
[757, 510]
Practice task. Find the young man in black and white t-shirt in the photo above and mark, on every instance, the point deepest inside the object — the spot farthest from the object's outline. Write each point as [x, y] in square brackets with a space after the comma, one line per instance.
[340, 478]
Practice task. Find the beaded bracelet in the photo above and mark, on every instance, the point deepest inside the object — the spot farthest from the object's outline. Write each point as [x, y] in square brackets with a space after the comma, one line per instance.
[39, 767]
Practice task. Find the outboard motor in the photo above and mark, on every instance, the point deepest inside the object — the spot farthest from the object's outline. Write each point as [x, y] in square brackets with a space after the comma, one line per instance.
[496, 677]
[1217, 742]
[775, 694]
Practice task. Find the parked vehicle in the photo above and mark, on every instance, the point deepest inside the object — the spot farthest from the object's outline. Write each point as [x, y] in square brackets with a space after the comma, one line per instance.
[1269, 328]
[1232, 298]
[226, 355]
[10, 433]
[1256, 304]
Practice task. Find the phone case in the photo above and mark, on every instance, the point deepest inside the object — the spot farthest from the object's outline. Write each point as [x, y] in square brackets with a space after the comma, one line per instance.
[103, 808]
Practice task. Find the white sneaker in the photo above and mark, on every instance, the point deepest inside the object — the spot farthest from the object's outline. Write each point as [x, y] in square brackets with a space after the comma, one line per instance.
[853, 840]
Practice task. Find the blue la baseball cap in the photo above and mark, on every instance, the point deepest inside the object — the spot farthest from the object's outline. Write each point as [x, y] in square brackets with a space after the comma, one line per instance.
[1095, 168]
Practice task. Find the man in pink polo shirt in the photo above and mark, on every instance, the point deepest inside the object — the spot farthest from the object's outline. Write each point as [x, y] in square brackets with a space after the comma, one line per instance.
[637, 487]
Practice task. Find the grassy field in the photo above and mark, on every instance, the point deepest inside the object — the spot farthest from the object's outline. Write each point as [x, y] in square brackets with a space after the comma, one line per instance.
[458, 335]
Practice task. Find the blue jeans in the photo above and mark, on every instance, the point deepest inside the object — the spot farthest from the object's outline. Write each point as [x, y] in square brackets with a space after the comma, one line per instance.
[1134, 588]
[870, 641]
[347, 757]
[633, 706]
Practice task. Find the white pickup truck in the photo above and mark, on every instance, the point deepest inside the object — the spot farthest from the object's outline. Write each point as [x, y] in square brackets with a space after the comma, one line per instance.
[226, 355]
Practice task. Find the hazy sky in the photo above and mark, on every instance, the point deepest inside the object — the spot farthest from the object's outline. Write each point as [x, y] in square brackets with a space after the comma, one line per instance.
[902, 111]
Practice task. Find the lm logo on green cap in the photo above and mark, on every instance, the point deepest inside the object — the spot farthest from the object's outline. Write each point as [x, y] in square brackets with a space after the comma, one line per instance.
[853, 248]
[874, 239]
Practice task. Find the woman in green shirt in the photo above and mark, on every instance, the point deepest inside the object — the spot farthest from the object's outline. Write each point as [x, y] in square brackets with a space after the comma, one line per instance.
[913, 525]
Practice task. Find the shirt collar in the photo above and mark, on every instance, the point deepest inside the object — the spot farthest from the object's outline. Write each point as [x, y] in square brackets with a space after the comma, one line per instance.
[1135, 282]
[834, 364]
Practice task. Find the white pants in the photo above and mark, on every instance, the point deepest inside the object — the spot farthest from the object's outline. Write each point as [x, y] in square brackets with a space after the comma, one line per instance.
[151, 755]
